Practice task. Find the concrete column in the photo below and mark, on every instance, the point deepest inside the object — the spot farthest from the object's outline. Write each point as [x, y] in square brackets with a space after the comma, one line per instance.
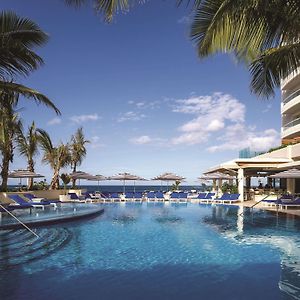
[214, 189]
[290, 186]
[220, 186]
[241, 183]
[248, 181]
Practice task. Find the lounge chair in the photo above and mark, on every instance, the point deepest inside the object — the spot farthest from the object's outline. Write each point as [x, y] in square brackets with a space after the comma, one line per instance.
[201, 196]
[22, 203]
[115, 197]
[208, 198]
[138, 197]
[182, 197]
[74, 198]
[129, 196]
[224, 197]
[233, 198]
[33, 199]
[287, 203]
[151, 196]
[174, 196]
[159, 196]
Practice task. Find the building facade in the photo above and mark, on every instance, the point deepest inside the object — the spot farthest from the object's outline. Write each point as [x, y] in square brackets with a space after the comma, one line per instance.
[290, 108]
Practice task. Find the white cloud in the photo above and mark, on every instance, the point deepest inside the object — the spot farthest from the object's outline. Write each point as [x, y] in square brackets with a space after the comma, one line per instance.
[145, 104]
[146, 140]
[84, 118]
[54, 121]
[130, 116]
[220, 120]
[141, 140]
[95, 142]
[239, 136]
[213, 113]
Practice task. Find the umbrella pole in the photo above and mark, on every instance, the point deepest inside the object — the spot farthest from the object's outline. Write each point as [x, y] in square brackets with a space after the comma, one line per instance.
[123, 186]
[134, 186]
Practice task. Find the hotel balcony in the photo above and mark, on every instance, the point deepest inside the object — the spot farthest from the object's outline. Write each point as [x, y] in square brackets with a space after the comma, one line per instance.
[291, 130]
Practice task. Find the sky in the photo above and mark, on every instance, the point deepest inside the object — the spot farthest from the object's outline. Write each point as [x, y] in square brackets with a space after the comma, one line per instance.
[145, 100]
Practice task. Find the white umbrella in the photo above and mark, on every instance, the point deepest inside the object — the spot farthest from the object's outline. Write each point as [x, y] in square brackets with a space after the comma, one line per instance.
[80, 175]
[21, 173]
[97, 178]
[126, 176]
[292, 174]
[168, 177]
[216, 175]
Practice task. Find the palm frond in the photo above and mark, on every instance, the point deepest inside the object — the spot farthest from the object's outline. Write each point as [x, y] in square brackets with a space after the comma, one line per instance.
[272, 66]
[17, 38]
[11, 87]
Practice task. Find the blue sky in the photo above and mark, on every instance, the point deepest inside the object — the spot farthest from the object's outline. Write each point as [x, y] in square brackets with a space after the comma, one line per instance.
[143, 97]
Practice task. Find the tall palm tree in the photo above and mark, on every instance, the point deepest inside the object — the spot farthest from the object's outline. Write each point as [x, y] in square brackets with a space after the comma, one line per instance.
[263, 34]
[10, 125]
[57, 157]
[18, 37]
[27, 144]
[77, 151]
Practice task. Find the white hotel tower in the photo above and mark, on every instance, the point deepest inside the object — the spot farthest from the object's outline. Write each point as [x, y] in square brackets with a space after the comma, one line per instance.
[290, 108]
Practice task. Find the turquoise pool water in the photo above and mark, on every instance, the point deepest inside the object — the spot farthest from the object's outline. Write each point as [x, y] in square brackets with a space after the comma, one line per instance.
[156, 251]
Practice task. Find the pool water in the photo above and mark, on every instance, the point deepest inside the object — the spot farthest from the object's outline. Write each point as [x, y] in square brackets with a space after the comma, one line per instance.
[156, 251]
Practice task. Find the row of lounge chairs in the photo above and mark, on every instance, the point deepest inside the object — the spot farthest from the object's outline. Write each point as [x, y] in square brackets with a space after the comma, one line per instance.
[284, 202]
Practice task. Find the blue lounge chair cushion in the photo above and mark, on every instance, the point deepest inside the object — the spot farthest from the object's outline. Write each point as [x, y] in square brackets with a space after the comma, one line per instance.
[202, 196]
[151, 195]
[174, 195]
[19, 200]
[138, 195]
[73, 196]
[159, 195]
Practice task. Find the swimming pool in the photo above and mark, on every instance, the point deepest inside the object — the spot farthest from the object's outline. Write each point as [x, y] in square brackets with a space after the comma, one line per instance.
[156, 251]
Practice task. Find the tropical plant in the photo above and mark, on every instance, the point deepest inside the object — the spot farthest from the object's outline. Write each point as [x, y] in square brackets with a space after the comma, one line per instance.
[176, 185]
[229, 188]
[77, 151]
[10, 125]
[263, 34]
[57, 157]
[66, 179]
[27, 144]
[18, 37]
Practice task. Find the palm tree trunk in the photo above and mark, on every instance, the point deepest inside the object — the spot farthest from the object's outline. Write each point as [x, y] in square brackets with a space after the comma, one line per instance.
[4, 172]
[31, 169]
[73, 179]
[54, 185]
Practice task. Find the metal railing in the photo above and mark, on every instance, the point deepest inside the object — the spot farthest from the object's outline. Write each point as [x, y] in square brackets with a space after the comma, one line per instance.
[19, 221]
[291, 96]
[291, 124]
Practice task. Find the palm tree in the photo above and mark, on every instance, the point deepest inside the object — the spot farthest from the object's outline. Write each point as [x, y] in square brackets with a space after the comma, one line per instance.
[77, 151]
[57, 157]
[28, 146]
[107, 7]
[18, 37]
[10, 125]
[263, 34]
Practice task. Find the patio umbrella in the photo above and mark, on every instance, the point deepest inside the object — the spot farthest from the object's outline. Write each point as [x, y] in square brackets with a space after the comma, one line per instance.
[292, 174]
[216, 176]
[80, 175]
[168, 177]
[126, 176]
[21, 173]
[97, 178]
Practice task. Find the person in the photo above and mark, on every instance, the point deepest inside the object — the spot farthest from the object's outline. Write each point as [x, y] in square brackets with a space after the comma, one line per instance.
[260, 185]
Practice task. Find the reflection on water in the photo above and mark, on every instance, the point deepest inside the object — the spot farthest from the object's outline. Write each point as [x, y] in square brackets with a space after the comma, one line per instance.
[262, 227]
[170, 251]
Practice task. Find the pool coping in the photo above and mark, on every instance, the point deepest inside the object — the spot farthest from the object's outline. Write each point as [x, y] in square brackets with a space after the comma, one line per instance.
[56, 220]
